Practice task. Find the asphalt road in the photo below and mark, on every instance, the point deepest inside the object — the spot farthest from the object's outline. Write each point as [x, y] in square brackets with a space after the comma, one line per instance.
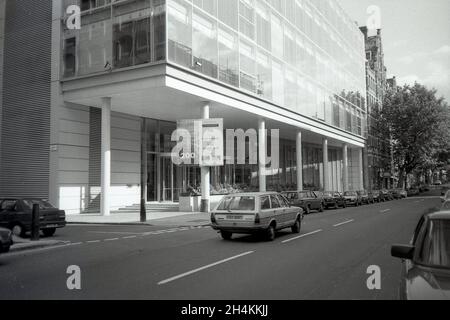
[329, 260]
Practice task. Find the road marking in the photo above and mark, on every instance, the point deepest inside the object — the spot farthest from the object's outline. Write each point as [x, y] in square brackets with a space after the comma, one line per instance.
[203, 268]
[302, 236]
[342, 223]
[115, 232]
[112, 239]
[130, 237]
[385, 211]
[93, 241]
[74, 244]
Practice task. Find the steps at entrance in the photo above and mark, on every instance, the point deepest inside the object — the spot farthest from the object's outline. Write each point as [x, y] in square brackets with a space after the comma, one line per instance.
[152, 207]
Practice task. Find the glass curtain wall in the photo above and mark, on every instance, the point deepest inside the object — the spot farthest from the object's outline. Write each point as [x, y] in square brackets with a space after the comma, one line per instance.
[306, 56]
[114, 34]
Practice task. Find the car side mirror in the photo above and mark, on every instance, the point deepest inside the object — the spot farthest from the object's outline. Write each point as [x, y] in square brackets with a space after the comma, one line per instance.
[402, 252]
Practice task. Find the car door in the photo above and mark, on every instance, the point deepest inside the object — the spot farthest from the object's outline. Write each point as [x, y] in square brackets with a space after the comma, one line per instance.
[277, 210]
[313, 200]
[289, 212]
[266, 210]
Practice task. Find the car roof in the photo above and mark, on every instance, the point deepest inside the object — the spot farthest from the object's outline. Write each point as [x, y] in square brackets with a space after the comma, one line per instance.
[440, 215]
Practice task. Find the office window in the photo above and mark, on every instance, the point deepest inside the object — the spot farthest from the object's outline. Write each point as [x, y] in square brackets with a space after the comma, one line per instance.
[228, 57]
[248, 66]
[180, 32]
[70, 57]
[204, 44]
[264, 75]
[263, 26]
[247, 18]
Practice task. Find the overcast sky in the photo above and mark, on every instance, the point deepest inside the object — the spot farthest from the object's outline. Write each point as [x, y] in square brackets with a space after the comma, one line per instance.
[416, 39]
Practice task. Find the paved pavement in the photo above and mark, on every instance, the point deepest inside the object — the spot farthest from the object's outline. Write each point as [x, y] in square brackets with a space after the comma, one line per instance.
[328, 260]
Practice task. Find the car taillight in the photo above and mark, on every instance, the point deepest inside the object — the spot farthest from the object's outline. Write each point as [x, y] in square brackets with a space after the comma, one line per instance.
[213, 217]
[257, 219]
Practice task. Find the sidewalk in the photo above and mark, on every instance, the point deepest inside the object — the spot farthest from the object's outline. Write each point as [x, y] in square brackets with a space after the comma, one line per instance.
[166, 219]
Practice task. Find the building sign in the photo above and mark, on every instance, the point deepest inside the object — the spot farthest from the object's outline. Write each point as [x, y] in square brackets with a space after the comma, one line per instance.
[212, 143]
[199, 142]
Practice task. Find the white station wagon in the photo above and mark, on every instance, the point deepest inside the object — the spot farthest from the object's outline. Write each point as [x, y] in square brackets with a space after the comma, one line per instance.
[251, 213]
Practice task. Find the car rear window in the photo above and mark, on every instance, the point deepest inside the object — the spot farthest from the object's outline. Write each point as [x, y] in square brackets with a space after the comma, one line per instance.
[238, 203]
[291, 195]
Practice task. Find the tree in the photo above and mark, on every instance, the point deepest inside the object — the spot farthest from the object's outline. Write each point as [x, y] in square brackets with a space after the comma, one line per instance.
[418, 125]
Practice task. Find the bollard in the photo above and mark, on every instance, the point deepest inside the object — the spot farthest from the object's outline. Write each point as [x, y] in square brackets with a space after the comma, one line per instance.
[143, 210]
[35, 223]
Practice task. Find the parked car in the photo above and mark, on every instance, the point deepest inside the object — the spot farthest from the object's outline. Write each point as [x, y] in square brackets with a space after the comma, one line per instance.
[438, 183]
[446, 206]
[446, 196]
[375, 195]
[366, 197]
[444, 190]
[395, 194]
[352, 198]
[6, 240]
[16, 215]
[251, 213]
[306, 200]
[320, 195]
[426, 260]
[403, 193]
[386, 195]
[334, 199]
[413, 192]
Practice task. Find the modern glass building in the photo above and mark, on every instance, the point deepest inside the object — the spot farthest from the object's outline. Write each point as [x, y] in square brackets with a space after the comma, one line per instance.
[135, 67]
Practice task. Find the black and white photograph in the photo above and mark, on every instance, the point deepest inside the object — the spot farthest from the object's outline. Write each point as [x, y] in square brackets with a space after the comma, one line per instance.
[224, 154]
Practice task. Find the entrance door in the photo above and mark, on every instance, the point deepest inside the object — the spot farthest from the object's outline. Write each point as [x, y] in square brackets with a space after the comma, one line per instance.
[171, 180]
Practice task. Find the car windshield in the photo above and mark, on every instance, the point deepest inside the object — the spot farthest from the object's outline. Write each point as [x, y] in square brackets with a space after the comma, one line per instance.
[350, 193]
[303, 195]
[291, 195]
[242, 203]
[435, 251]
[43, 204]
[328, 194]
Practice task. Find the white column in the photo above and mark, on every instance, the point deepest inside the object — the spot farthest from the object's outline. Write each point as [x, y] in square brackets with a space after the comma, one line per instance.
[299, 151]
[262, 154]
[205, 173]
[361, 169]
[326, 178]
[106, 157]
[345, 167]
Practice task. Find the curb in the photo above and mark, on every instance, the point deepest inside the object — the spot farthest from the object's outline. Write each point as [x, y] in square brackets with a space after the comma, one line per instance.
[19, 247]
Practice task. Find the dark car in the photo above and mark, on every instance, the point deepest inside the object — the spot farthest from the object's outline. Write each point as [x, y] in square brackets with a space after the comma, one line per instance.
[320, 195]
[426, 260]
[396, 194]
[5, 240]
[306, 200]
[333, 199]
[16, 215]
[413, 192]
[375, 194]
[386, 195]
[352, 198]
[366, 197]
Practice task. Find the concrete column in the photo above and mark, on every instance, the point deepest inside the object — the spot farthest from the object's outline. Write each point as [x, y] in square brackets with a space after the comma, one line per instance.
[106, 157]
[326, 177]
[299, 152]
[262, 151]
[205, 173]
[345, 166]
[361, 168]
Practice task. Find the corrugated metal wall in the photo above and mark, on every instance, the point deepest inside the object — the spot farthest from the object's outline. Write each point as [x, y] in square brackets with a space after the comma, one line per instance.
[95, 159]
[25, 125]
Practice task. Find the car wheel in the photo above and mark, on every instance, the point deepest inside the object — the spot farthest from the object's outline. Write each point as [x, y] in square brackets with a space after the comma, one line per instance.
[296, 227]
[270, 233]
[18, 230]
[226, 235]
[49, 232]
[308, 209]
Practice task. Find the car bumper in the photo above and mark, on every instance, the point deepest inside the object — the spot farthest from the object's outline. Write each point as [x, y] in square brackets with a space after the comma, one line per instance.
[239, 229]
[53, 224]
[5, 244]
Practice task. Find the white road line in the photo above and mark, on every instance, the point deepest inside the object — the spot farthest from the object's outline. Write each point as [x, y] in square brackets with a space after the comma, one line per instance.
[93, 241]
[74, 244]
[112, 239]
[342, 223]
[302, 236]
[115, 232]
[385, 211]
[203, 268]
[130, 237]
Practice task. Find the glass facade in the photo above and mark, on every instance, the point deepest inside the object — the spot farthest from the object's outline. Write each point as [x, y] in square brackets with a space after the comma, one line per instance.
[305, 56]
